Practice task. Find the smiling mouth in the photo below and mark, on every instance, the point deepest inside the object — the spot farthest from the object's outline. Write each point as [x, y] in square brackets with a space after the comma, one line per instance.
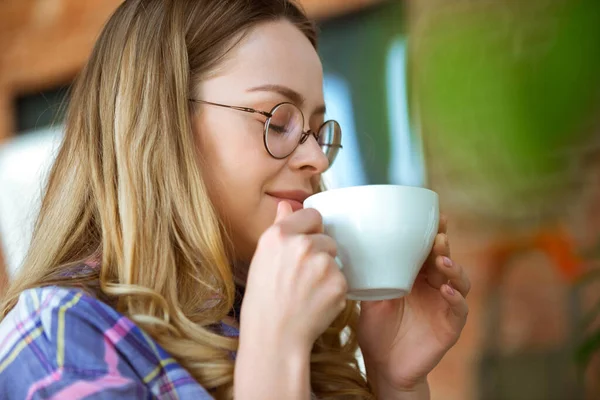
[294, 198]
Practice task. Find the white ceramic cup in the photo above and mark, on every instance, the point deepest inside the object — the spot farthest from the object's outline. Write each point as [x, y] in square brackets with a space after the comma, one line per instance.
[384, 234]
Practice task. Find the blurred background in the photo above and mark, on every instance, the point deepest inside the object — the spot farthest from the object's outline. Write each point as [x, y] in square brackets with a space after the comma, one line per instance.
[495, 104]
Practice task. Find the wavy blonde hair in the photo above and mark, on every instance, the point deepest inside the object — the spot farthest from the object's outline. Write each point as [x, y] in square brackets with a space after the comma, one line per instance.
[127, 189]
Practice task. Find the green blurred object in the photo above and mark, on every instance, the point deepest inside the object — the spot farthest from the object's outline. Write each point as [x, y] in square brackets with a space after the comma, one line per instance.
[507, 98]
[505, 92]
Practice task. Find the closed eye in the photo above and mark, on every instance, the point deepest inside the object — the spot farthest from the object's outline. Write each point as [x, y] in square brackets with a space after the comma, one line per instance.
[277, 128]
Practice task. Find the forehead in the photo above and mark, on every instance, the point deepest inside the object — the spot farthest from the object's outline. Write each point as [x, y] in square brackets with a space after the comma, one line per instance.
[274, 53]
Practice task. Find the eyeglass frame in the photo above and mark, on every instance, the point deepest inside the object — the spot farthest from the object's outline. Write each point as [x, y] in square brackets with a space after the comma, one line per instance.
[303, 135]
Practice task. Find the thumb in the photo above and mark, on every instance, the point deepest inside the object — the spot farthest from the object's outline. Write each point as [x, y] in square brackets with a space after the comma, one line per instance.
[284, 209]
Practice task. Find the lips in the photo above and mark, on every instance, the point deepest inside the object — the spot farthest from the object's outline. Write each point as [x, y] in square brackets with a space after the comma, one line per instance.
[294, 197]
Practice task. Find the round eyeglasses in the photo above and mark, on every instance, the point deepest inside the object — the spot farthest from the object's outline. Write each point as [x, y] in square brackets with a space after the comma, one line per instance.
[284, 130]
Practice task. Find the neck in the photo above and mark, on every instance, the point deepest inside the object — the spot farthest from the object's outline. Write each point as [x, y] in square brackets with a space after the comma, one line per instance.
[240, 273]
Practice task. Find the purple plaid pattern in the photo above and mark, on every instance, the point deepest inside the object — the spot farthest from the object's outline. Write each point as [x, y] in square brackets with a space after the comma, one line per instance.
[60, 343]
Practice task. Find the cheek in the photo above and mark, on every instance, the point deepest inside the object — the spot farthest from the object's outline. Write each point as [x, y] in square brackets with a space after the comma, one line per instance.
[226, 158]
[237, 169]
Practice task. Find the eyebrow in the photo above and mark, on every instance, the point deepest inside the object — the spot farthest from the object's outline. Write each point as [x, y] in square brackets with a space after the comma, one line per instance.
[289, 93]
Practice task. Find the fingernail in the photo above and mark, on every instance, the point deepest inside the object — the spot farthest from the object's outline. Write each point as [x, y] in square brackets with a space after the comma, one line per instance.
[450, 290]
[447, 262]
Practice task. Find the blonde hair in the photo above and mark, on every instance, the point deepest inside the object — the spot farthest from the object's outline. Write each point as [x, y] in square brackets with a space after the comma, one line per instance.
[127, 189]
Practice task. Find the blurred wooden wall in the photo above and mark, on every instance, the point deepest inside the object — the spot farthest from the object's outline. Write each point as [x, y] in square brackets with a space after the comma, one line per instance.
[43, 44]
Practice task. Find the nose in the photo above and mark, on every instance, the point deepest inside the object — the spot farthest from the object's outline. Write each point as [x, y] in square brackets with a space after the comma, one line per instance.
[309, 156]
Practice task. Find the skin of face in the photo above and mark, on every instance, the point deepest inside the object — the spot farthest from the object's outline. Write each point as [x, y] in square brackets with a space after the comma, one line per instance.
[244, 182]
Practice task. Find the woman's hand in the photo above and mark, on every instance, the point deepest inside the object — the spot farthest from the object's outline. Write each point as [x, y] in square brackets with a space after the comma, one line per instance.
[294, 284]
[293, 293]
[402, 340]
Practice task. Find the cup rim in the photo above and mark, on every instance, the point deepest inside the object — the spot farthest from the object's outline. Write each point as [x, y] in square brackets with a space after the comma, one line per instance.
[365, 187]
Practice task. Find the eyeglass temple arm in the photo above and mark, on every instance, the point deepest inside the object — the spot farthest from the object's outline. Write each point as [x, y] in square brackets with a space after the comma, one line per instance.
[244, 109]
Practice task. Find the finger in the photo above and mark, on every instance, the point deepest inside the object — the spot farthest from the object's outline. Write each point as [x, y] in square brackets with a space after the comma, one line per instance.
[323, 267]
[459, 310]
[435, 277]
[305, 221]
[455, 274]
[443, 225]
[441, 247]
[284, 209]
[321, 243]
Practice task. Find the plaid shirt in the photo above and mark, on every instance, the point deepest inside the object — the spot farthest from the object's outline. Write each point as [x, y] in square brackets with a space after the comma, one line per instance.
[60, 343]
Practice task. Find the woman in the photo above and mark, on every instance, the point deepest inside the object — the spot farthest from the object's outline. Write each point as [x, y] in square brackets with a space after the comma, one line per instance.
[192, 136]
